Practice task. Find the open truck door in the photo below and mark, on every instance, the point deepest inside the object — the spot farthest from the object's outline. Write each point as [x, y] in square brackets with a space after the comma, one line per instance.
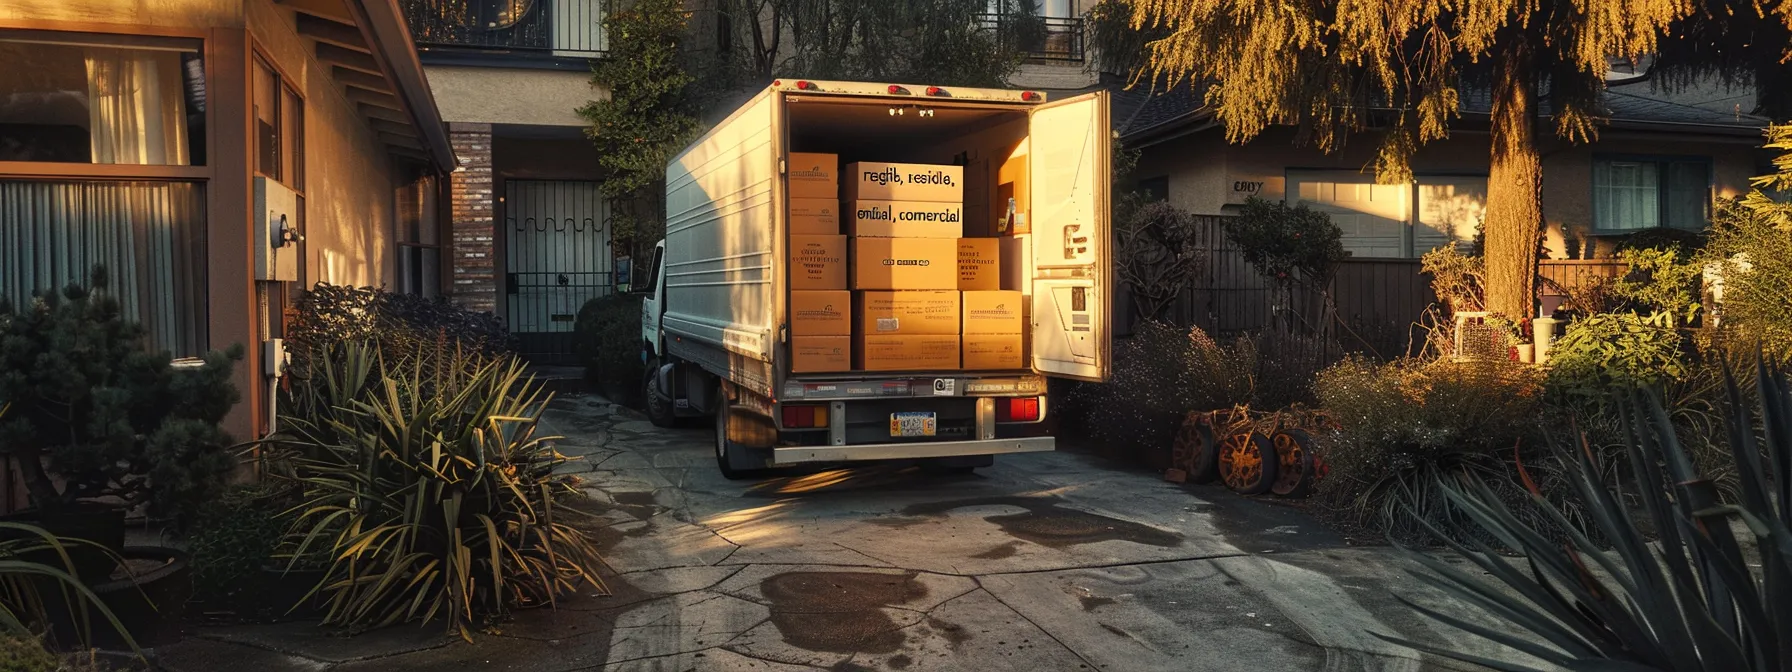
[1072, 284]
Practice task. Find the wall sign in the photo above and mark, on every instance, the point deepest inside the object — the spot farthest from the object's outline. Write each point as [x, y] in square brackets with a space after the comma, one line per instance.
[1241, 187]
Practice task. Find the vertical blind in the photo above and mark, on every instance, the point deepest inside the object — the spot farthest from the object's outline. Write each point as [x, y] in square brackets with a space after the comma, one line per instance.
[148, 235]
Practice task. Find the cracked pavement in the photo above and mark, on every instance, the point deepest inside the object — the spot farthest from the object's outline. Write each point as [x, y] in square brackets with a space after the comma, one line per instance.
[1047, 561]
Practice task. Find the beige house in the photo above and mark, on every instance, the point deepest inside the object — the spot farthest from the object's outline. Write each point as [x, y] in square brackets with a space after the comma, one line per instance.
[1659, 164]
[216, 156]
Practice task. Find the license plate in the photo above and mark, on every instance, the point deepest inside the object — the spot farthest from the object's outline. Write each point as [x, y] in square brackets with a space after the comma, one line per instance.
[913, 424]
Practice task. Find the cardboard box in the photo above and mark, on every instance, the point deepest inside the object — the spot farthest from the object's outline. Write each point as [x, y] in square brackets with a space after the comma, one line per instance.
[1016, 257]
[813, 175]
[991, 352]
[905, 353]
[979, 264]
[905, 263]
[820, 354]
[817, 262]
[821, 313]
[884, 181]
[815, 216]
[993, 312]
[906, 312]
[905, 219]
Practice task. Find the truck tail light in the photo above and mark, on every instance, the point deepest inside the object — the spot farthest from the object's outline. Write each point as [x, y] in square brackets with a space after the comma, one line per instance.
[805, 417]
[935, 91]
[1018, 409]
[897, 90]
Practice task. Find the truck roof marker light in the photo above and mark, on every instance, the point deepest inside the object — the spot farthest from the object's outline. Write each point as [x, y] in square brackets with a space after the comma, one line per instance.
[1029, 96]
[898, 90]
[777, 82]
[936, 91]
[805, 85]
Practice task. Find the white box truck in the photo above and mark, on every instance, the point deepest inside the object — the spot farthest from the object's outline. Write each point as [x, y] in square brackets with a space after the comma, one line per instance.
[716, 323]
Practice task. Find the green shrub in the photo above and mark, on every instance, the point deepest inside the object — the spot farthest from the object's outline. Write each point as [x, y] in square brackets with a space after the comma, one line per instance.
[608, 338]
[433, 496]
[233, 539]
[1287, 244]
[95, 416]
[23, 653]
[1405, 423]
[1606, 351]
[404, 326]
[1675, 580]
[1160, 374]
[1662, 281]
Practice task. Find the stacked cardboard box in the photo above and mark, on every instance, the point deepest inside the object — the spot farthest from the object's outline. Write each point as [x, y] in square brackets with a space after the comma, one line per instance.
[820, 306]
[905, 221]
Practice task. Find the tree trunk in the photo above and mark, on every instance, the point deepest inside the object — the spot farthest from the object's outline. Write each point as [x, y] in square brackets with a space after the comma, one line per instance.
[1514, 186]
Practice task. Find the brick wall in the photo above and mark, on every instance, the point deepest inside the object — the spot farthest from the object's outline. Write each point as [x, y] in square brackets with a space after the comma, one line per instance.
[474, 282]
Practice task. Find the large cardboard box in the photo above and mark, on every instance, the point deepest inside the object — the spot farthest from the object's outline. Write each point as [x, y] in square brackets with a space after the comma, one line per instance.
[820, 354]
[883, 181]
[979, 264]
[991, 352]
[1016, 257]
[906, 312]
[821, 313]
[992, 312]
[817, 262]
[905, 353]
[813, 175]
[814, 216]
[904, 263]
[905, 219]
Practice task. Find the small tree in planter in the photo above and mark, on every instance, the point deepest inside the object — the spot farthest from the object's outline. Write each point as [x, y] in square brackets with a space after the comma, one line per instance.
[98, 423]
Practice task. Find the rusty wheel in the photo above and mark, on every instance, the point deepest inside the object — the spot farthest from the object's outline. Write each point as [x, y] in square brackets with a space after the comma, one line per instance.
[1194, 452]
[1247, 462]
[1295, 474]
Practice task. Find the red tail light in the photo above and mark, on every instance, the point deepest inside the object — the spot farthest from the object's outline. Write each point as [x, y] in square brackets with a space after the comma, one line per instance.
[935, 91]
[897, 90]
[805, 417]
[1018, 409]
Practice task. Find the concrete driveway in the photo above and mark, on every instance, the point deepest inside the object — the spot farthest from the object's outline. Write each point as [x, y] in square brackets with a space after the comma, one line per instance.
[1053, 561]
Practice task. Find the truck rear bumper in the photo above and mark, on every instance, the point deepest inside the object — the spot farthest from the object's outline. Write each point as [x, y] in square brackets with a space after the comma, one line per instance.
[907, 451]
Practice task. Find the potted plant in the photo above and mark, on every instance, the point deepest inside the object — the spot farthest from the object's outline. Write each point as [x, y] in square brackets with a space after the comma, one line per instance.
[99, 425]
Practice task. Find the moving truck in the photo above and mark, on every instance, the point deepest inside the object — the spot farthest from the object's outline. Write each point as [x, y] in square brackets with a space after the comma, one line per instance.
[717, 325]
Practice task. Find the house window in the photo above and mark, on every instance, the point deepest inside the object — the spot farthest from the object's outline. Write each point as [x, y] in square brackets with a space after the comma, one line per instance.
[279, 127]
[1155, 188]
[419, 237]
[82, 98]
[1636, 193]
[148, 235]
[1397, 221]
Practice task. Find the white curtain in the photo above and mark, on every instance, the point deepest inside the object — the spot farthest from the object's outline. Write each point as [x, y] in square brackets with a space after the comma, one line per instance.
[137, 111]
[146, 234]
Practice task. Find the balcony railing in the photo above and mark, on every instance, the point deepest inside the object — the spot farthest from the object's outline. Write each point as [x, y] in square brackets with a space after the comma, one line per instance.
[570, 28]
[1040, 38]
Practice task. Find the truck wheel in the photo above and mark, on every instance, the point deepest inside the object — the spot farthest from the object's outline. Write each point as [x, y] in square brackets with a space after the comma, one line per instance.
[732, 458]
[659, 404]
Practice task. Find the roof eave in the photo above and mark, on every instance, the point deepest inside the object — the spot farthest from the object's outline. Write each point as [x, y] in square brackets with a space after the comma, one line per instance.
[389, 35]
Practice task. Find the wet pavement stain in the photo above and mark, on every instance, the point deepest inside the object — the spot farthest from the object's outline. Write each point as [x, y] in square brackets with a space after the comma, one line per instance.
[897, 523]
[839, 612]
[1049, 522]
[954, 633]
[637, 504]
[1091, 602]
[901, 662]
[1004, 551]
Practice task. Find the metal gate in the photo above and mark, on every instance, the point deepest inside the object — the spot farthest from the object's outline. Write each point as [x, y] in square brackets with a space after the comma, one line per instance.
[558, 257]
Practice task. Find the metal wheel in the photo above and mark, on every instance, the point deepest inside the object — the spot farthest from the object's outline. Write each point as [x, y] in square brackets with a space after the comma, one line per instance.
[658, 403]
[1295, 475]
[1194, 451]
[1247, 462]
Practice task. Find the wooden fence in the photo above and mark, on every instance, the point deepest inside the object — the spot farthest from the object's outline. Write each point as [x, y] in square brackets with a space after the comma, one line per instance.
[1380, 303]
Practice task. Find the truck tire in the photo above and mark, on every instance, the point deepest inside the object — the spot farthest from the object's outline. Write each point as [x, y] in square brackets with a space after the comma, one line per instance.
[658, 404]
[735, 461]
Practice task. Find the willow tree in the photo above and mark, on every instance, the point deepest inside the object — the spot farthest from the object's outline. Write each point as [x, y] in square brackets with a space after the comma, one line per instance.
[1333, 68]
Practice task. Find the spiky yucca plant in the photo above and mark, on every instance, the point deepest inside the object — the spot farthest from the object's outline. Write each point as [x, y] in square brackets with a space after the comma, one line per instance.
[430, 494]
[1689, 599]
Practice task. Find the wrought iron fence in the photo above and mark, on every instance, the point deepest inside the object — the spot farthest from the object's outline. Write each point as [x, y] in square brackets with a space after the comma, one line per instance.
[556, 27]
[1041, 38]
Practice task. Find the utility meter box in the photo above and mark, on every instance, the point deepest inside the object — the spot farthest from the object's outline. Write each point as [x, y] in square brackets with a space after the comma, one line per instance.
[277, 236]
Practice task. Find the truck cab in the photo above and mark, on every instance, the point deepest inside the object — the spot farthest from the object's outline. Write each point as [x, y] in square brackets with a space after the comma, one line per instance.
[716, 323]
